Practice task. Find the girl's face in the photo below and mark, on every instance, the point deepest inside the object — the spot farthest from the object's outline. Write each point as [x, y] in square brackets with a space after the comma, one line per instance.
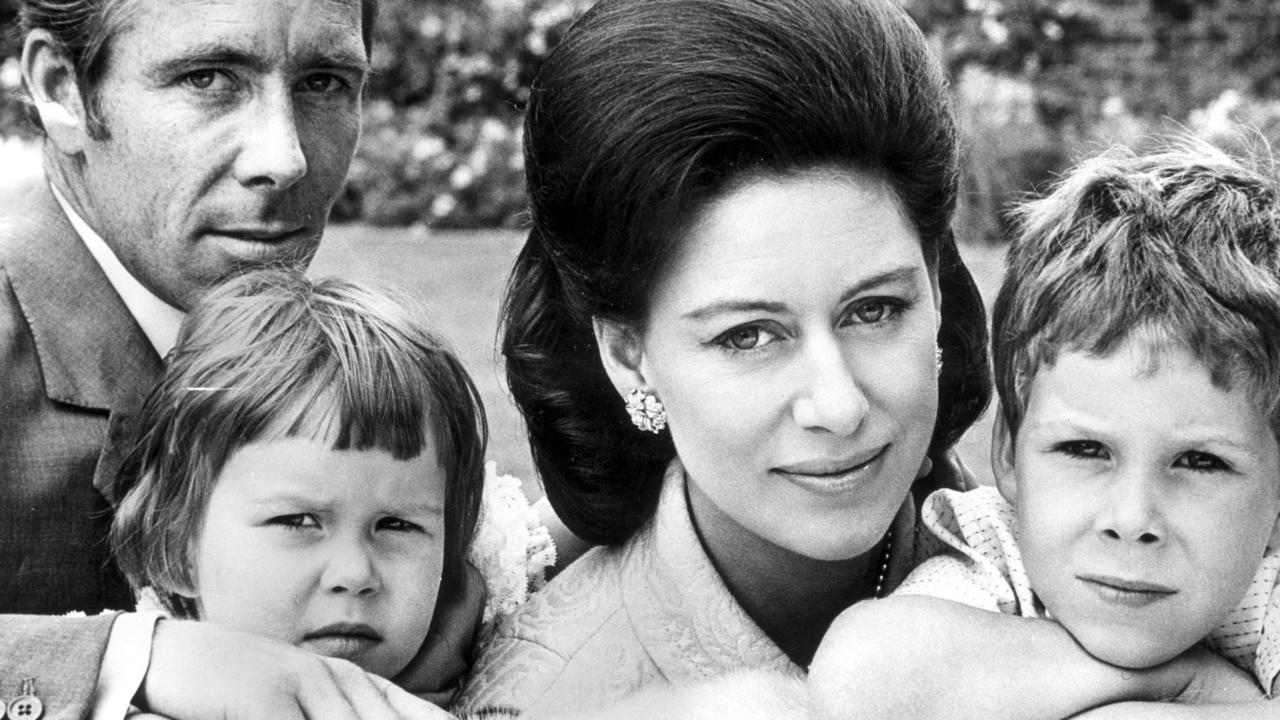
[336, 551]
[792, 343]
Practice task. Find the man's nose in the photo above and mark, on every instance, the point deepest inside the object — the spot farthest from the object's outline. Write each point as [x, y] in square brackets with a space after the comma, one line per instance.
[271, 156]
[829, 397]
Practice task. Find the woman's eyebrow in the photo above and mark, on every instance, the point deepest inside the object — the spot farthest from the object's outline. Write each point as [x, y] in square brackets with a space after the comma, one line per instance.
[907, 272]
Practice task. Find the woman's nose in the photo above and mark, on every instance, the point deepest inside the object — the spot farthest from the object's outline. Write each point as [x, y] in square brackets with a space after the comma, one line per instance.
[350, 568]
[1131, 511]
[829, 397]
[270, 155]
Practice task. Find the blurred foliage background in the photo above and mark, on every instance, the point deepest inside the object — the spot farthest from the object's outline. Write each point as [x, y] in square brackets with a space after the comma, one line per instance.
[1037, 83]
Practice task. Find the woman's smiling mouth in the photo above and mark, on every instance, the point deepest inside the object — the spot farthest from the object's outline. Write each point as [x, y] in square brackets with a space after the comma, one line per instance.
[832, 477]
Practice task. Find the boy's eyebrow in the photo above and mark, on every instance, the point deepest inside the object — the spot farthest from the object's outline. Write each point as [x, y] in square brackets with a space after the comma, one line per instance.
[730, 306]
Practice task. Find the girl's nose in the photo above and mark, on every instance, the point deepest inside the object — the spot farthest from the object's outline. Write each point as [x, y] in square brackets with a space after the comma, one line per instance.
[350, 569]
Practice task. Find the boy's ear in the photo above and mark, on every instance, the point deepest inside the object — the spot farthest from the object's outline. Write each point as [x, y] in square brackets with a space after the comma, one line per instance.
[50, 77]
[621, 353]
[1002, 457]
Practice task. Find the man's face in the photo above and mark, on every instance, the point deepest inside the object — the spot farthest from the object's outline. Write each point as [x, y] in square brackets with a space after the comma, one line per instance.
[231, 124]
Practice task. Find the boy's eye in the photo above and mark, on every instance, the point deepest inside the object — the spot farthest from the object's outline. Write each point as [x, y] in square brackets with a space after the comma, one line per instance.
[746, 337]
[396, 524]
[1081, 449]
[299, 520]
[1201, 461]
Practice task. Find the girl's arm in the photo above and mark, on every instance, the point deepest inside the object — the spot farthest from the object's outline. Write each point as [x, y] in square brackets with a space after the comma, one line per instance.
[921, 657]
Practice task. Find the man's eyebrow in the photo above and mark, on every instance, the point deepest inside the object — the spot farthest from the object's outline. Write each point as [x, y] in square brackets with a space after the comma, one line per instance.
[200, 56]
[217, 54]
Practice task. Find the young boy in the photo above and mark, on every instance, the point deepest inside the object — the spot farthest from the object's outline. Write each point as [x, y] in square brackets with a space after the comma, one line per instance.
[1136, 349]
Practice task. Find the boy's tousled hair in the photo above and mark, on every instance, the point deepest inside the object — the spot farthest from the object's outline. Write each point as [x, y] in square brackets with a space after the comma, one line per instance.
[1180, 247]
[271, 354]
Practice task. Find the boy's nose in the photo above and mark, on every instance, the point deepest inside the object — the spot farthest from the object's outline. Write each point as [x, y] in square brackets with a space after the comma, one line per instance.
[351, 569]
[1131, 511]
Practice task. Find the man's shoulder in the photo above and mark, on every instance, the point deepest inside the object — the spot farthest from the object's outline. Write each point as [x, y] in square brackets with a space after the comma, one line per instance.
[28, 211]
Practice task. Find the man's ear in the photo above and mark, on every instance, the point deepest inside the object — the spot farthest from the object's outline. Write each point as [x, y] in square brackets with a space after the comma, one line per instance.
[621, 354]
[1002, 457]
[50, 77]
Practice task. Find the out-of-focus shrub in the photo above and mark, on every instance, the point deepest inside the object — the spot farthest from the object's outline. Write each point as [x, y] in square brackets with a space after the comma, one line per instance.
[442, 137]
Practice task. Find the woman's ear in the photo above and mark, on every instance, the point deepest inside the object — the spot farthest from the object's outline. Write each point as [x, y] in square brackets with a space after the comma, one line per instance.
[1002, 457]
[50, 77]
[621, 354]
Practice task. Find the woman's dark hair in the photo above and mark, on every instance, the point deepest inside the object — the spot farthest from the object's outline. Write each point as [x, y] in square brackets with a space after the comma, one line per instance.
[647, 110]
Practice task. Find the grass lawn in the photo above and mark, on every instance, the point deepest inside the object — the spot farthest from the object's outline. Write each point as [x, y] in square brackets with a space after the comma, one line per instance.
[460, 275]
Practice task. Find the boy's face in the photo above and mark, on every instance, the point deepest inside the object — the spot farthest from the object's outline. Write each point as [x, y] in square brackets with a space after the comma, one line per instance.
[338, 552]
[1146, 500]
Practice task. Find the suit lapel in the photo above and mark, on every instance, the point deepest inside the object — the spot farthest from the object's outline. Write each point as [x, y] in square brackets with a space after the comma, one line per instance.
[92, 353]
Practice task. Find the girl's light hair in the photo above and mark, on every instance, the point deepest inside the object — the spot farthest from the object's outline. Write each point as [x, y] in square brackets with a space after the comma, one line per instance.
[271, 354]
[1179, 248]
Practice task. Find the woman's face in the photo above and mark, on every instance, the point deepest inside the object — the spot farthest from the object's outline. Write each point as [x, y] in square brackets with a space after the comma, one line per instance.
[793, 345]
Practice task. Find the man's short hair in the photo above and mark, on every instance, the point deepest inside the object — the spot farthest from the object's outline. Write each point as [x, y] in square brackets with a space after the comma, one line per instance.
[84, 30]
[1176, 248]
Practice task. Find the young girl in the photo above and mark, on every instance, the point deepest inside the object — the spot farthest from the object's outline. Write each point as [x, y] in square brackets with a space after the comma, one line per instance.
[311, 468]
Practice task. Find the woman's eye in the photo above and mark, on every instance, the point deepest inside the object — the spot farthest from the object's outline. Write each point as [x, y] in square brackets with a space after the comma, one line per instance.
[1201, 461]
[747, 337]
[298, 520]
[875, 310]
[1081, 449]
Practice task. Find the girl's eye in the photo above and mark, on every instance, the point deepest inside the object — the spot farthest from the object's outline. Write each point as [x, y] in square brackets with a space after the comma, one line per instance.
[396, 524]
[1081, 449]
[299, 520]
[747, 337]
[1201, 461]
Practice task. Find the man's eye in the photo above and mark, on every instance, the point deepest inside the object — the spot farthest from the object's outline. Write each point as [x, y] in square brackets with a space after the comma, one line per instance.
[1081, 449]
[204, 79]
[322, 83]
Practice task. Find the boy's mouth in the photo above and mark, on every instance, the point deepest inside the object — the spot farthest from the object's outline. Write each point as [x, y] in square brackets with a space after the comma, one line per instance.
[1131, 593]
[341, 640]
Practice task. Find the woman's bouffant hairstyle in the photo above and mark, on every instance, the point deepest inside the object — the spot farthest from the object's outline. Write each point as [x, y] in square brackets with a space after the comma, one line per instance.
[270, 355]
[1179, 248]
[646, 111]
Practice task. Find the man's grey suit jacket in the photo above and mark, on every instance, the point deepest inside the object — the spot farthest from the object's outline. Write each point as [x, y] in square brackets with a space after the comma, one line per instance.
[74, 368]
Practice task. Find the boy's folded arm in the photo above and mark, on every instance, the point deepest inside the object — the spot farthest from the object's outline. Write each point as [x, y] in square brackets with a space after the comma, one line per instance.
[922, 657]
